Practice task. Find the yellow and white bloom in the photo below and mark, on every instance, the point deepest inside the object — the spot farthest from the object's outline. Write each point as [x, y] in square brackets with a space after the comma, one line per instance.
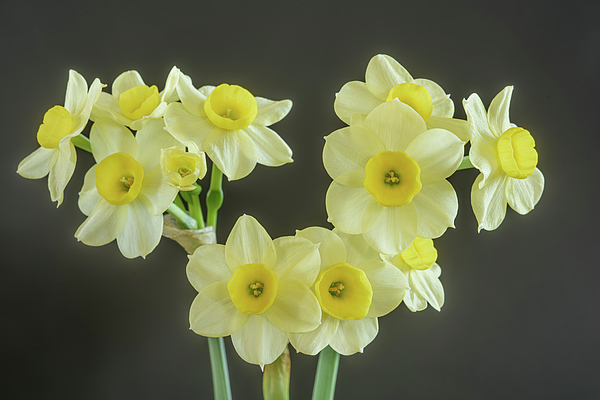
[230, 125]
[418, 263]
[354, 288]
[125, 194]
[389, 178]
[57, 156]
[132, 102]
[387, 80]
[254, 289]
[182, 168]
[506, 157]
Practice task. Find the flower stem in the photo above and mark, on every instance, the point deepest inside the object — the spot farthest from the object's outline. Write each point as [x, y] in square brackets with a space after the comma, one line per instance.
[326, 376]
[214, 197]
[276, 378]
[465, 164]
[82, 142]
[195, 207]
[218, 366]
[183, 219]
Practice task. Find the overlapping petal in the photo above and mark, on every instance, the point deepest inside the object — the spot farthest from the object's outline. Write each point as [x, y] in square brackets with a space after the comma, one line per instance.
[207, 265]
[297, 258]
[108, 137]
[313, 342]
[331, 247]
[271, 149]
[62, 171]
[37, 164]
[103, 225]
[498, 113]
[354, 98]
[186, 127]
[396, 124]
[437, 207]
[353, 336]
[489, 202]
[345, 206]
[295, 308]
[270, 112]
[427, 286]
[389, 285]
[389, 230]
[156, 194]
[383, 73]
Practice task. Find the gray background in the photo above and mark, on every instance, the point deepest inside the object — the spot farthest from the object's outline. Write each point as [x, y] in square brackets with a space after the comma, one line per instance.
[521, 313]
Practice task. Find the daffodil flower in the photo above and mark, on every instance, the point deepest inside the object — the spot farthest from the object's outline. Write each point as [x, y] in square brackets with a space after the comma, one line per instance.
[57, 156]
[506, 157]
[182, 168]
[125, 194]
[230, 125]
[254, 289]
[132, 102]
[354, 288]
[387, 80]
[389, 178]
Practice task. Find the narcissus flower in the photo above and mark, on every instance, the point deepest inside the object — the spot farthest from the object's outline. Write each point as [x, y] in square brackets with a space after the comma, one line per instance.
[389, 178]
[506, 157]
[57, 156]
[230, 125]
[254, 289]
[387, 80]
[132, 102]
[354, 288]
[182, 168]
[125, 194]
[418, 263]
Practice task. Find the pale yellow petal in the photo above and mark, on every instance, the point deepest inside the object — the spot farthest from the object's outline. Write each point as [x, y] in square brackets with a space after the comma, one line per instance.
[358, 250]
[103, 225]
[259, 341]
[396, 124]
[485, 158]
[127, 80]
[498, 113]
[191, 98]
[106, 106]
[389, 230]
[207, 265]
[213, 314]
[489, 202]
[437, 206]
[156, 194]
[141, 233]
[272, 150]
[170, 84]
[249, 243]
[313, 342]
[38, 164]
[62, 171]
[270, 112]
[383, 73]
[295, 308]
[331, 247]
[82, 117]
[345, 206]
[88, 196]
[354, 98]
[76, 93]
[459, 127]
[523, 194]
[353, 336]
[233, 152]
[108, 137]
[427, 286]
[477, 120]
[443, 106]
[389, 285]
[151, 140]
[186, 127]
[297, 258]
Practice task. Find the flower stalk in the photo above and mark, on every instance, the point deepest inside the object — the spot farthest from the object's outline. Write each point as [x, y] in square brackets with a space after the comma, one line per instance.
[326, 376]
[465, 164]
[276, 378]
[82, 142]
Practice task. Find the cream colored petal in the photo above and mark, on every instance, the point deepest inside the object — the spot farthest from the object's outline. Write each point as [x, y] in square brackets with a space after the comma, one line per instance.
[345, 206]
[127, 80]
[388, 284]
[489, 202]
[477, 120]
[259, 341]
[108, 107]
[427, 286]
[81, 119]
[297, 258]
[38, 164]
[438, 153]
[295, 308]
[156, 194]
[383, 73]
[396, 124]
[358, 120]
[61, 173]
[459, 127]
[191, 98]
[313, 342]
[151, 140]
[233, 152]
[88, 196]
[103, 225]
[157, 113]
[353, 336]
[437, 206]
[389, 230]
[108, 137]
[498, 115]
[186, 127]
[485, 158]
[331, 247]
[270, 112]
[523, 194]
[213, 314]
[171, 84]
[207, 265]
[77, 90]
[354, 98]
[414, 302]
[249, 243]
[141, 233]
[443, 106]
[272, 151]
[358, 250]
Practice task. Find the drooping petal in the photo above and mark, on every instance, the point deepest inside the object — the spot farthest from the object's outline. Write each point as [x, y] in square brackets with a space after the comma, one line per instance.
[331, 247]
[313, 342]
[103, 225]
[186, 127]
[259, 341]
[358, 250]
[295, 308]
[443, 106]
[437, 206]
[489, 202]
[270, 112]
[207, 265]
[141, 233]
[524, 194]
[151, 140]
[297, 258]
[353, 336]
[498, 113]
[477, 120]
[249, 243]
[213, 314]
[108, 137]
[156, 194]
[233, 152]
[345, 206]
[459, 127]
[88, 196]
[389, 230]
[383, 73]
[191, 98]
[354, 98]
[485, 158]
[388, 284]
[127, 80]
[61, 173]
[428, 287]
[396, 124]
[271, 149]
[38, 164]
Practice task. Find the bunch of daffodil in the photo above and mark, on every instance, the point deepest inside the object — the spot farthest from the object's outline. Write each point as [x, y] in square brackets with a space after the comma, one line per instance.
[506, 157]
[56, 156]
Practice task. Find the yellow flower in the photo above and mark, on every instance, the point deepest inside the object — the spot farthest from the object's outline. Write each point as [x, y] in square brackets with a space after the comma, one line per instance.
[389, 178]
[125, 194]
[182, 168]
[57, 156]
[506, 157]
[230, 125]
[254, 289]
[387, 80]
[132, 102]
[354, 288]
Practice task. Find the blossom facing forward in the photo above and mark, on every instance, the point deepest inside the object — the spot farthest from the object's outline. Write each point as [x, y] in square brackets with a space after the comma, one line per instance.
[506, 157]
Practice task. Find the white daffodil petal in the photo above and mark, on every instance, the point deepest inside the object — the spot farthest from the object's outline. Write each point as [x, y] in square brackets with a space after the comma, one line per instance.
[331, 247]
[207, 265]
[443, 106]
[191, 98]
[259, 341]
[103, 225]
[213, 314]
[141, 233]
[271, 149]
[233, 152]
[81, 119]
[485, 158]
[108, 137]
[313, 342]
[345, 206]
[108, 107]
[477, 120]
[383, 73]
[295, 308]
[297, 258]
[186, 127]
[437, 206]
[61, 173]
[270, 112]
[413, 301]
[498, 113]
[156, 194]
[77, 91]
[127, 80]
[249, 243]
[170, 85]
[427, 286]
[388, 284]
[459, 127]
[389, 230]
[88, 196]
[438, 153]
[354, 98]
[151, 140]
[38, 164]
[353, 336]
[523, 194]
[358, 250]
[396, 124]
[489, 202]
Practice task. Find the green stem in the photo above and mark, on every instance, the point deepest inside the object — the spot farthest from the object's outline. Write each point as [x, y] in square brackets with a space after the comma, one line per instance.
[178, 202]
[218, 365]
[196, 210]
[214, 197]
[183, 219]
[326, 376]
[465, 164]
[82, 142]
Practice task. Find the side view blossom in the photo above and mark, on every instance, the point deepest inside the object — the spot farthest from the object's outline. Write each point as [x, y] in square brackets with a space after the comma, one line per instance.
[56, 156]
[182, 168]
[506, 157]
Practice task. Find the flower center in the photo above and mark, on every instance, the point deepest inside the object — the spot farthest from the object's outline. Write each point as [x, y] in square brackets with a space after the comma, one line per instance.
[517, 154]
[420, 254]
[344, 292]
[392, 178]
[252, 288]
[139, 101]
[416, 96]
[180, 167]
[119, 178]
[230, 107]
[56, 125]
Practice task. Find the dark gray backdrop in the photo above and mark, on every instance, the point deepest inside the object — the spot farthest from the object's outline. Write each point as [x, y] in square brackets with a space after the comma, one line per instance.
[521, 313]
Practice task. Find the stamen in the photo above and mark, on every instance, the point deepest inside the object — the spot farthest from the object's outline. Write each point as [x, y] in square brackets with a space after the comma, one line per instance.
[336, 288]
[391, 178]
[184, 172]
[128, 182]
[228, 115]
[256, 288]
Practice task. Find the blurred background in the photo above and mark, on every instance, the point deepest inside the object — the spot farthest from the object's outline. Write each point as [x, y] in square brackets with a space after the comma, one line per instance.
[521, 315]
